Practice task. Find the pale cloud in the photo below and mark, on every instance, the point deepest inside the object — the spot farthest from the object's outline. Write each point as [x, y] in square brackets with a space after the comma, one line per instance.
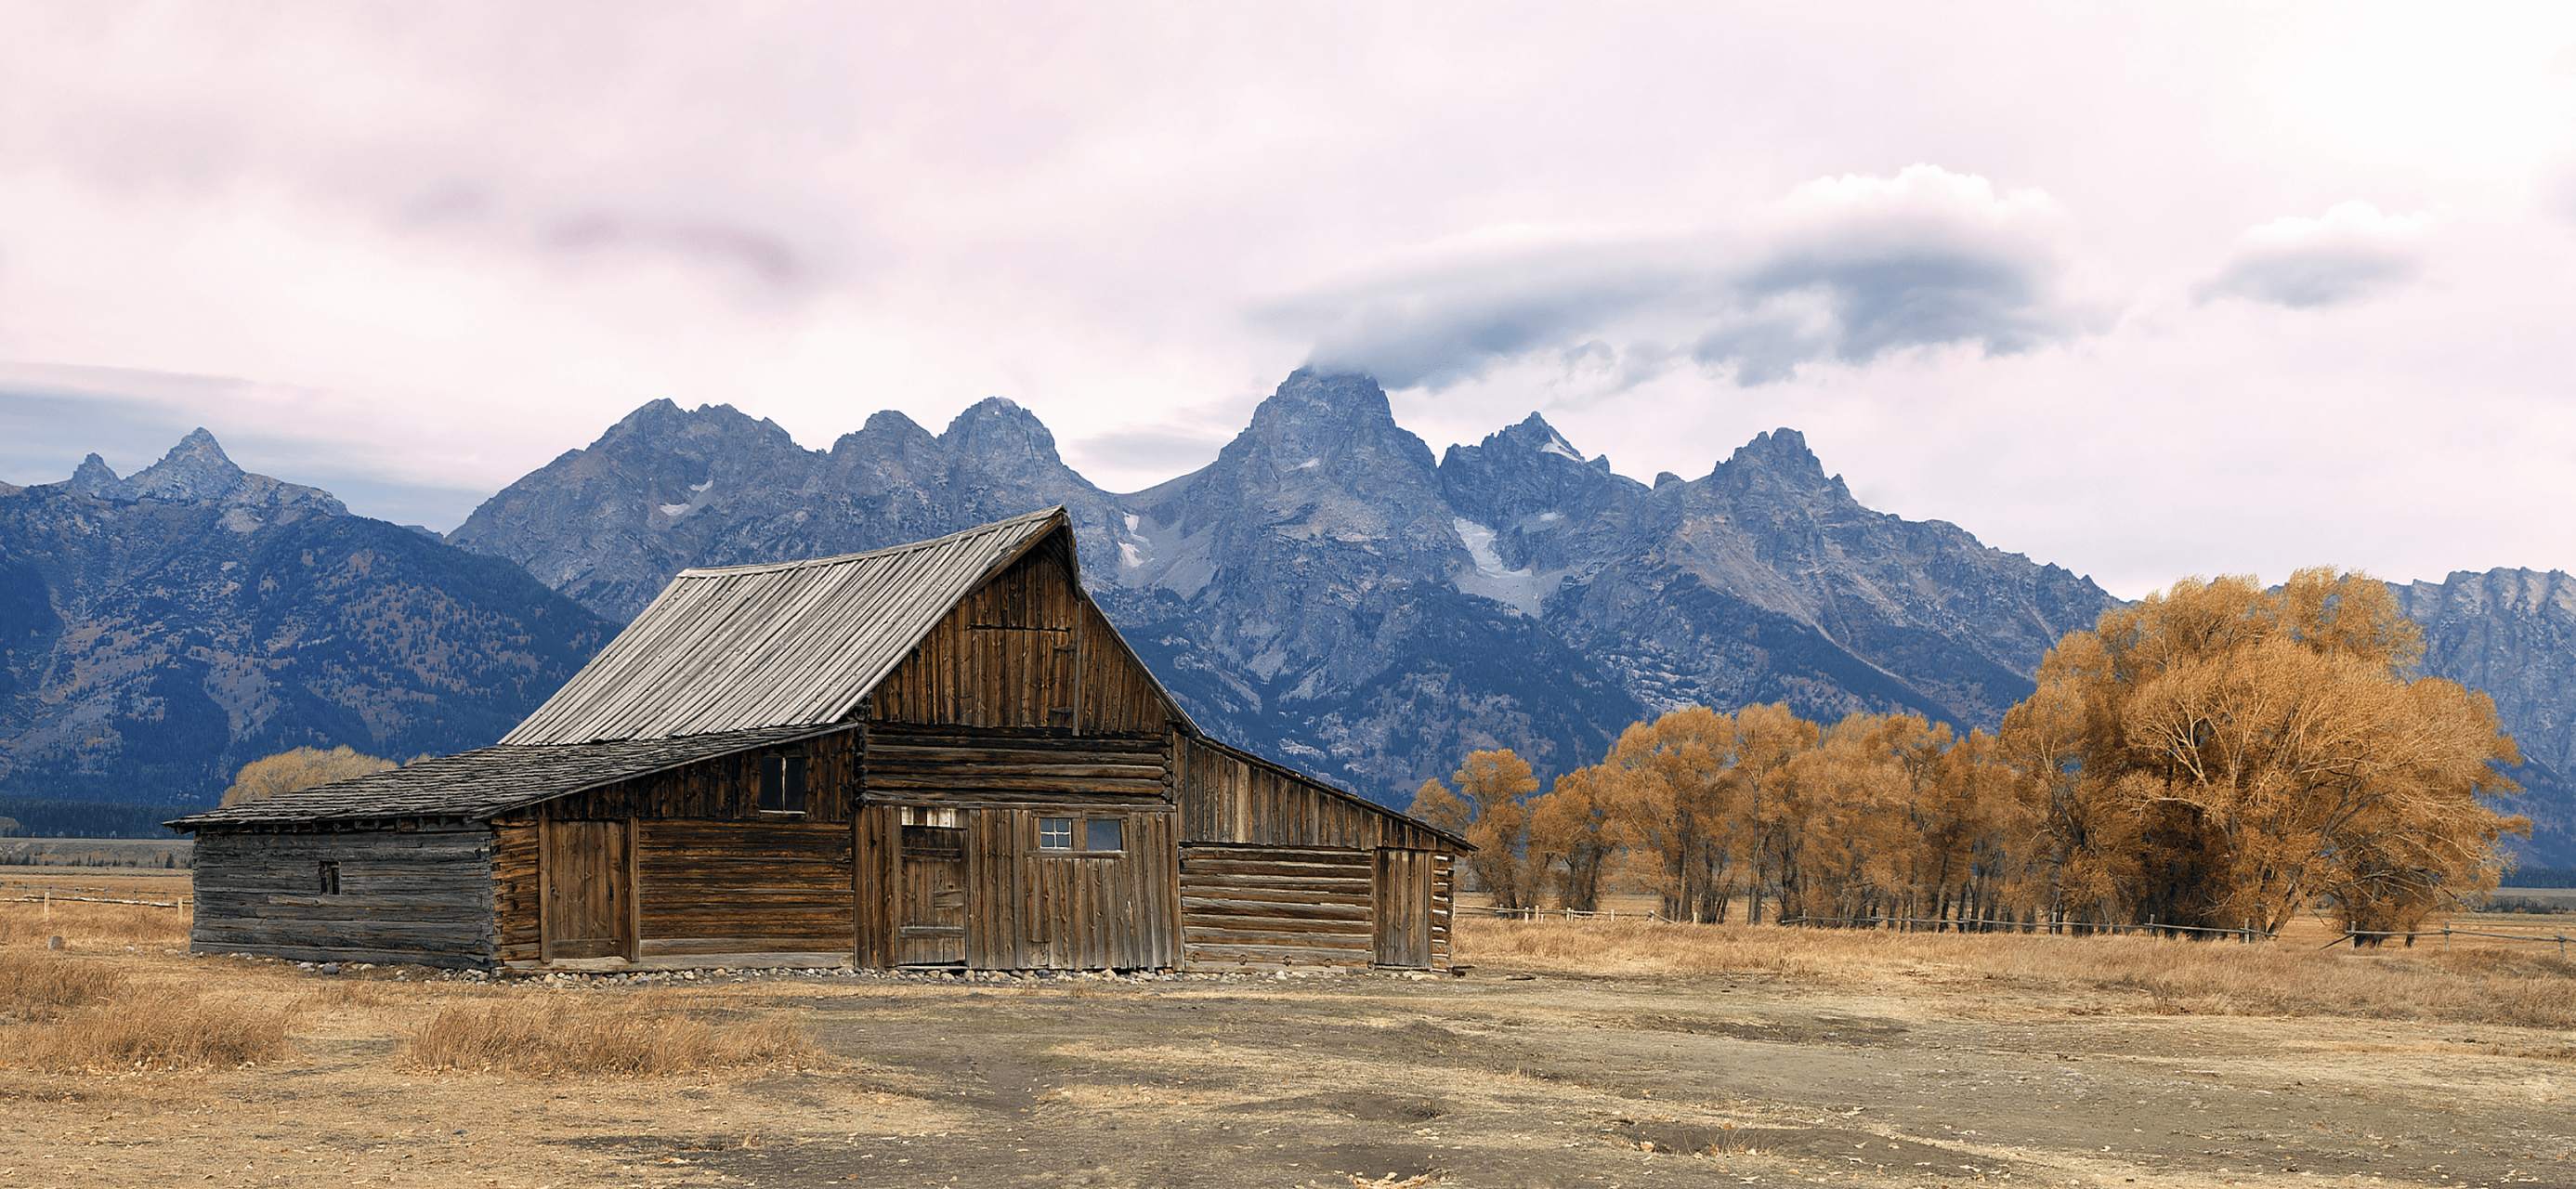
[2352, 252]
[1846, 268]
[411, 254]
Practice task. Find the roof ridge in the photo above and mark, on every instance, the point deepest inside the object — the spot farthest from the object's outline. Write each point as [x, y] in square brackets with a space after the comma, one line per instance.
[1046, 513]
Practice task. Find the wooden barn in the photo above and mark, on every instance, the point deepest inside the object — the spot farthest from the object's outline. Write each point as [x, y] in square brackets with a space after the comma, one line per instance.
[939, 754]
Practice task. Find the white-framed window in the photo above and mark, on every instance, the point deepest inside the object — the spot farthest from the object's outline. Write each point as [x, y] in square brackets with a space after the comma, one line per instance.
[1055, 833]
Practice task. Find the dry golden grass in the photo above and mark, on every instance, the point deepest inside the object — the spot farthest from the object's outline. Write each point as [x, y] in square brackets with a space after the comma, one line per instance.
[38, 985]
[124, 1034]
[629, 1035]
[2486, 986]
[92, 925]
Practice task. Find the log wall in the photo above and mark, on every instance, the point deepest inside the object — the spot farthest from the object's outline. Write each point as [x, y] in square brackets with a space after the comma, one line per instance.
[421, 894]
[749, 888]
[1266, 908]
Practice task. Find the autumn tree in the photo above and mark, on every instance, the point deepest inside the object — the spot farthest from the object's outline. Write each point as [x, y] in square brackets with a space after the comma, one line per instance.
[1489, 810]
[1663, 784]
[1571, 836]
[299, 768]
[2222, 755]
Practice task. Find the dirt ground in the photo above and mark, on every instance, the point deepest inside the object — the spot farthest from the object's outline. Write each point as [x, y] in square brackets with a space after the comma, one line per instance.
[1519, 1073]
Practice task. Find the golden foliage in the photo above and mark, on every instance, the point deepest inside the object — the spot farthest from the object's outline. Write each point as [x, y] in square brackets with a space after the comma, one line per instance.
[2216, 756]
[300, 768]
[2223, 755]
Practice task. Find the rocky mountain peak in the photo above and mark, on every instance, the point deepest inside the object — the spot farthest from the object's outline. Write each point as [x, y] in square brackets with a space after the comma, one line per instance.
[997, 430]
[659, 424]
[1332, 422]
[94, 477]
[1777, 460]
[196, 469]
[1535, 435]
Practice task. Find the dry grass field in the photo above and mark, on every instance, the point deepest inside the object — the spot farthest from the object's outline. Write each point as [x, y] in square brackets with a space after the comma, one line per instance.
[1583, 1053]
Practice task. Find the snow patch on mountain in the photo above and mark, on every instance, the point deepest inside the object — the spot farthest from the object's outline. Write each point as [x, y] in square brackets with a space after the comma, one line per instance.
[1522, 590]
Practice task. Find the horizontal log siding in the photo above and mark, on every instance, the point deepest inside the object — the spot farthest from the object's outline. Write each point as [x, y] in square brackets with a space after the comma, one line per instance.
[1246, 907]
[1026, 649]
[1226, 798]
[963, 767]
[726, 887]
[406, 895]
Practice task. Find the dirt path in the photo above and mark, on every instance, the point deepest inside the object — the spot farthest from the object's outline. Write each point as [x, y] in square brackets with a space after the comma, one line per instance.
[1499, 1081]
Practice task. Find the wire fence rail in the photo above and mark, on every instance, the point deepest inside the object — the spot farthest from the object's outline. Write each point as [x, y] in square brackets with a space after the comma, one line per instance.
[52, 899]
[2247, 934]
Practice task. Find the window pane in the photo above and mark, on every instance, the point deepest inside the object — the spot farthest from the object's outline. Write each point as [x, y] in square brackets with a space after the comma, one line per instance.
[773, 781]
[793, 797]
[1104, 833]
[1055, 833]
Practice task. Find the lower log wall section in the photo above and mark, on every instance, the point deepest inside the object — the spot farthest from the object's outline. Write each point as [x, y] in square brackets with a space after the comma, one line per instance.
[718, 887]
[405, 895]
[1256, 907]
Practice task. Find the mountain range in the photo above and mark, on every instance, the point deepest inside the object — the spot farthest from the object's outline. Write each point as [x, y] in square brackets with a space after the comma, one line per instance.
[1326, 590]
[159, 631]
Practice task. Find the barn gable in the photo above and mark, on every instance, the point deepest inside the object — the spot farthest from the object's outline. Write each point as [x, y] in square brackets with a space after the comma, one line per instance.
[802, 643]
[1027, 648]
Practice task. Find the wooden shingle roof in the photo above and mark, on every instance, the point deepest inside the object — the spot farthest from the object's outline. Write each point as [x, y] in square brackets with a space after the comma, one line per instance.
[478, 784]
[738, 648]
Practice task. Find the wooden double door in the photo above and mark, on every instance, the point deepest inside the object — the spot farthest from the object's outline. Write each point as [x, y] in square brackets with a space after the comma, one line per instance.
[587, 909]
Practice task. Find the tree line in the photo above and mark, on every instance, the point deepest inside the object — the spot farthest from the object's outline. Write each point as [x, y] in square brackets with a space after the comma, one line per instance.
[2218, 755]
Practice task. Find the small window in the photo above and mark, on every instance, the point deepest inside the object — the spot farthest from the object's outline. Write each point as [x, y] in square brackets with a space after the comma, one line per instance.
[946, 819]
[782, 784]
[1104, 834]
[1055, 833]
[326, 877]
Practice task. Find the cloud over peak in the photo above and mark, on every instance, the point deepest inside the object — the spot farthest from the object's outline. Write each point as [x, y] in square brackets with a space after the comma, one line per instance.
[2354, 251]
[1845, 269]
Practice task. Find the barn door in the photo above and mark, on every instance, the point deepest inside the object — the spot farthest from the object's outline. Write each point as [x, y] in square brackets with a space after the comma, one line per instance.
[1403, 908]
[588, 907]
[931, 927]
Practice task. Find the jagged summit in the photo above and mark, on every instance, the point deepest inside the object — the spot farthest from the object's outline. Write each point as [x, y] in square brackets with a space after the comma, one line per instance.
[1324, 399]
[197, 471]
[997, 429]
[93, 477]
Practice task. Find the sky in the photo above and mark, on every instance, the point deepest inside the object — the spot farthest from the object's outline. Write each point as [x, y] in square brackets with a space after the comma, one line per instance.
[2145, 291]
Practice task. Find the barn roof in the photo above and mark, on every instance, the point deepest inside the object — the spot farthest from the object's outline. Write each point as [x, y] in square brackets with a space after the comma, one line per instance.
[734, 648]
[491, 780]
